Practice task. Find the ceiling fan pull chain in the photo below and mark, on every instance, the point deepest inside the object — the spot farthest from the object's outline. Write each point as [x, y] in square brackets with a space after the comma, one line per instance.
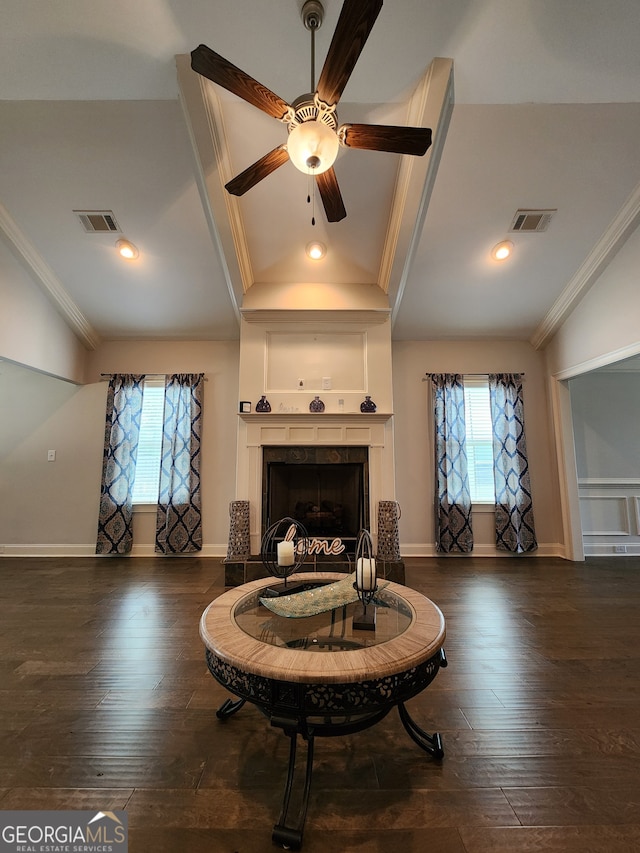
[313, 216]
[309, 195]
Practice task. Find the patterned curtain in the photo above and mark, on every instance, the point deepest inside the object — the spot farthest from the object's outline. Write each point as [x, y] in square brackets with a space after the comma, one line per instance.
[122, 428]
[515, 530]
[179, 519]
[453, 498]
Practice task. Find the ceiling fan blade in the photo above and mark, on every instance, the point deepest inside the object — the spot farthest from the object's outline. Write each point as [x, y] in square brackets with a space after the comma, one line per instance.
[330, 194]
[258, 171]
[214, 67]
[386, 137]
[352, 30]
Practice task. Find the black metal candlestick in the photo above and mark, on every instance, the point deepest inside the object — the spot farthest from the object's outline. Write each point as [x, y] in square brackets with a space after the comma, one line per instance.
[364, 619]
[283, 550]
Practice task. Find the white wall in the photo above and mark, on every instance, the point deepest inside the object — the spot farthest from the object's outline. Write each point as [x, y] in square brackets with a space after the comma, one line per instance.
[602, 329]
[606, 413]
[31, 330]
[354, 356]
[606, 420]
[52, 507]
[414, 439]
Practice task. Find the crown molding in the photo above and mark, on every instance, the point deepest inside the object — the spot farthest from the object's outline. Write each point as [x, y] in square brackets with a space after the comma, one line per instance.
[48, 281]
[315, 316]
[616, 235]
[598, 362]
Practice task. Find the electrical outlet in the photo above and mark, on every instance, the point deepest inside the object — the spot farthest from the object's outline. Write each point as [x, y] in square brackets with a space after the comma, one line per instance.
[300, 384]
[326, 383]
[619, 549]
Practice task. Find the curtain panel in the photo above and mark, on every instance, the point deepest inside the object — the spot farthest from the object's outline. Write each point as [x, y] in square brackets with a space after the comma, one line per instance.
[121, 432]
[179, 516]
[515, 529]
[454, 532]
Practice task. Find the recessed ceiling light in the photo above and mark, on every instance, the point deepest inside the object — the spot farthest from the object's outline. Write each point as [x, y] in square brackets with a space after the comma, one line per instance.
[316, 251]
[127, 250]
[501, 251]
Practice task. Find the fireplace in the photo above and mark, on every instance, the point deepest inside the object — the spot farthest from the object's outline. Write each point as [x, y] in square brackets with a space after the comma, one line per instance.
[286, 448]
[325, 488]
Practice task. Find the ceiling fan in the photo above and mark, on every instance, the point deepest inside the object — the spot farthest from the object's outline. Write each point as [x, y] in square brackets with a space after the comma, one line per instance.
[314, 135]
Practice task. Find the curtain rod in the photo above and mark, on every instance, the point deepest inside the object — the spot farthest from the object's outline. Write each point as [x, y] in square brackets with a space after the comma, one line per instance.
[426, 377]
[105, 376]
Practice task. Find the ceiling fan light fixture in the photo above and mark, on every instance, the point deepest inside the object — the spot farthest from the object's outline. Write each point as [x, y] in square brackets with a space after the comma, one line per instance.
[313, 147]
[316, 250]
[127, 250]
[502, 251]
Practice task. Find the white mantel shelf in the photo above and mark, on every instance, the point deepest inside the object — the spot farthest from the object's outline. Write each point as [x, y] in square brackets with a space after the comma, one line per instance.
[324, 417]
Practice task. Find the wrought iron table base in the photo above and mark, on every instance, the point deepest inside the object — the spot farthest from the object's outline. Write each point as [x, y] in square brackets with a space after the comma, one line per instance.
[229, 707]
[308, 723]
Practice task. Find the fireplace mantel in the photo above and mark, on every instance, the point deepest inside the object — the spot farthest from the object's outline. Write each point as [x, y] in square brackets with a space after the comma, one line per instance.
[315, 418]
[256, 430]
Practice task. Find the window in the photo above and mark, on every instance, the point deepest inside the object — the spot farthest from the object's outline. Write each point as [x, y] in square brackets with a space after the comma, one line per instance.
[477, 412]
[147, 481]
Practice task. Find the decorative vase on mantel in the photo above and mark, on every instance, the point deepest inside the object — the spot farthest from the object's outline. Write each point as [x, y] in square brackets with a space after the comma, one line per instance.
[316, 405]
[263, 405]
[367, 405]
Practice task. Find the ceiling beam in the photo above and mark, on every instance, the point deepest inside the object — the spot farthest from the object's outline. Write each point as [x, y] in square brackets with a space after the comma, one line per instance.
[431, 106]
[203, 116]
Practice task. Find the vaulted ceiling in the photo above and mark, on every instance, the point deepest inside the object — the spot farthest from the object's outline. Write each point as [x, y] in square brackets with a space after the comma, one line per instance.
[535, 104]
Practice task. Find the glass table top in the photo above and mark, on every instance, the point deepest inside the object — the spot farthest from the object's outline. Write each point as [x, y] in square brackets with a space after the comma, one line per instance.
[330, 631]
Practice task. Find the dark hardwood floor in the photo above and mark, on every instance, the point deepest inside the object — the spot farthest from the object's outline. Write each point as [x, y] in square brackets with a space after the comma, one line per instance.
[106, 703]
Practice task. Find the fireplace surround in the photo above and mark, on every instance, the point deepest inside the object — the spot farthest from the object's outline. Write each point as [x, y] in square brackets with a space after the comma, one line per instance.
[324, 488]
[371, 433]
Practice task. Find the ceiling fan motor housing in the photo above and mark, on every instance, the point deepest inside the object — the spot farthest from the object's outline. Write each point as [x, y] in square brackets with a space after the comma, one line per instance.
[310, 108]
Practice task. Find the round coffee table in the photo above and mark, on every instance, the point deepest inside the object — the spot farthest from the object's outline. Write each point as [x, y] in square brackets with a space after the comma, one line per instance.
[318, 676]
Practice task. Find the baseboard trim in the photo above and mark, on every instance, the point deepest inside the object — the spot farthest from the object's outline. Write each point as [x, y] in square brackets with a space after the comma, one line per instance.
[47, 550]
[607, 549]
[547, 549]
[220, 551]
[217, 551]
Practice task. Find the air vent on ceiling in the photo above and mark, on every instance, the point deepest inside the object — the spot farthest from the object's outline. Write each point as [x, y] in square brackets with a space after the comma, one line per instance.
[98, 221]
[531, 220]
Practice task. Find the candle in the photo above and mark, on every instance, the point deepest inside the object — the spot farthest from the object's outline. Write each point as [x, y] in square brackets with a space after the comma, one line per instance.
[285, 553]
[366, 573]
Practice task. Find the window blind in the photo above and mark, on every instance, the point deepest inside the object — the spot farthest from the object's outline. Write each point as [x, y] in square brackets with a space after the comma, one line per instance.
[479, 440]
[147, 479]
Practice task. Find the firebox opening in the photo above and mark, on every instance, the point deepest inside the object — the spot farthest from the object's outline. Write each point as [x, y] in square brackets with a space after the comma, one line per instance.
[325, 488]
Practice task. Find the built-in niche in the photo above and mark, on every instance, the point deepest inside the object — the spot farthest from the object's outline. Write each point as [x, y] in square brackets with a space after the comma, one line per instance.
[325, 488]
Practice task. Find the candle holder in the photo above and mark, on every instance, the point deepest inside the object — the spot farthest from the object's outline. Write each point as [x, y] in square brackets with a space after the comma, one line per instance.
[366, 585]
[283, 550]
